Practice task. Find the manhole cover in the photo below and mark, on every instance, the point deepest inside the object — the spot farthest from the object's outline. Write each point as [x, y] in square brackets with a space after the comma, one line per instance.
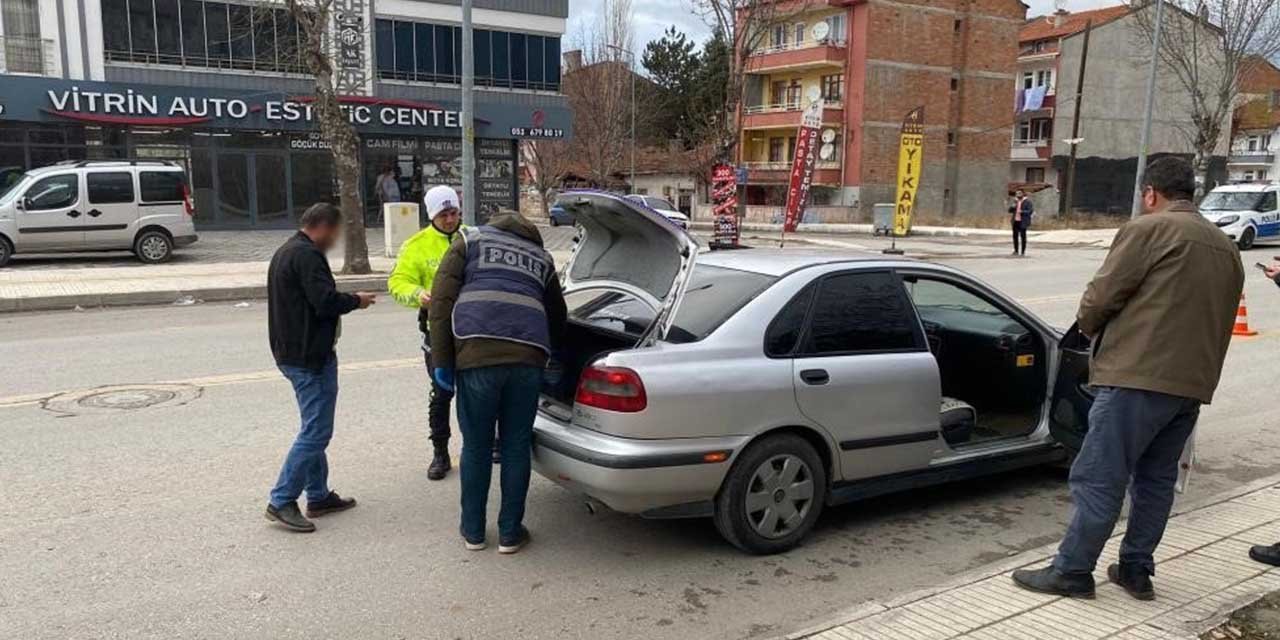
[120, 398]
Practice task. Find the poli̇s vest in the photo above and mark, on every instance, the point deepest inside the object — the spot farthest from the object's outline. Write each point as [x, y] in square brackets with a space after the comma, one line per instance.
[502, 289]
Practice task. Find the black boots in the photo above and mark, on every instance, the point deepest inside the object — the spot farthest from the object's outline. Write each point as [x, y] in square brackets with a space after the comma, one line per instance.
[1050, 581]
[290, 518]
[332, 503]
[1134, 579]
[440, 464]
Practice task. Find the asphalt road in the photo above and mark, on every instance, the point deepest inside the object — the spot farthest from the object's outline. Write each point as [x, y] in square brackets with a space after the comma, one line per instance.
[147, 523]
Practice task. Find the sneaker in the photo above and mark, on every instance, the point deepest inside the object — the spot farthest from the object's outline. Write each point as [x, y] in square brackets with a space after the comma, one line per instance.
[440, 465]
[1266, 554]
[290, 518]
[472, 545]
[512, 546]
[333, 503]
[1135, 580]
[1052, 582]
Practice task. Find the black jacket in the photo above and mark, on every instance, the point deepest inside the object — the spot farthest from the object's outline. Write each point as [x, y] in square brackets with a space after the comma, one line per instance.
[303, 304]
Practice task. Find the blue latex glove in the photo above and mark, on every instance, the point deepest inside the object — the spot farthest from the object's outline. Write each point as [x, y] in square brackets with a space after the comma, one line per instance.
[443, 378]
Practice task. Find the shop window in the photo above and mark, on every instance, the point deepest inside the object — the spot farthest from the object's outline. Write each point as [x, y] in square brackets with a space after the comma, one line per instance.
[241, 21]
[264, 38]
[218, 32]
[142, 27]
[110, 188]
[115, 25]
[501, 59]
[161, 186]
[445, 70]
[168, 31]
[404, 50]
[425, 51]
[432, 53]
[551, 60]
[534, 60]
[384, 47]
[519, 60]
[288, 47]
[193, 32]
[484, 57]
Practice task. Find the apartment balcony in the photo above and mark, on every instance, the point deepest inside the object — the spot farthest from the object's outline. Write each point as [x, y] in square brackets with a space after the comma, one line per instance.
[1251, 159]
[27, 55]
[1031, 150]
[787, 115]
[824, 173]
[798, 56]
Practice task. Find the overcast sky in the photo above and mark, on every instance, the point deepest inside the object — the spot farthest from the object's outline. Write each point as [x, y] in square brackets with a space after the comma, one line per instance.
[652, 17]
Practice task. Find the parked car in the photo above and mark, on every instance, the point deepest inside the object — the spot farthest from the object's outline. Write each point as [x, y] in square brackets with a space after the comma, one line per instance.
[758, 387]
[1247, 213]
[663, 207]
[559, 215]
[140, 206]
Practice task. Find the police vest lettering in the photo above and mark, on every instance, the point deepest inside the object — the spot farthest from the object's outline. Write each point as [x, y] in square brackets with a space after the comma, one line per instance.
[502, 289]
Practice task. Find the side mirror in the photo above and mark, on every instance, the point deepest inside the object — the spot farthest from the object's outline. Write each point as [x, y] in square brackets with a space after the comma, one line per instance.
[22, 203]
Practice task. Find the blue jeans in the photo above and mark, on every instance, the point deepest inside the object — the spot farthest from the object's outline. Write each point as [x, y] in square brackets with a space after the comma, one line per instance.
[507, 396]
[1135, 440]
[306, 467]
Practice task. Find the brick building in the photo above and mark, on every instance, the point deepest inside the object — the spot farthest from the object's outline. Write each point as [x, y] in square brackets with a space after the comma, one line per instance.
[872, 61]
[1255, 130]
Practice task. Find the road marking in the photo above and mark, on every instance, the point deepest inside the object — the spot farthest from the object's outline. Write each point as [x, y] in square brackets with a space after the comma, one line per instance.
[1070, 297]
[224, 379]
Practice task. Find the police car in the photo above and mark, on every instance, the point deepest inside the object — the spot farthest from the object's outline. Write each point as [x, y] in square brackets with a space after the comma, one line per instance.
[1247, 213]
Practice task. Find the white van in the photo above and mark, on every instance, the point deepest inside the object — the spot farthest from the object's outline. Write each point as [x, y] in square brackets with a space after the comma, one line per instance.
[142, 206]
[1247, 213]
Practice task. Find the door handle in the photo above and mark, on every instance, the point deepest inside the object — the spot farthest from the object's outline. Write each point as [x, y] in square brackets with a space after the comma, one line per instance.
[93, 213]
[73, 214]
[815, 376]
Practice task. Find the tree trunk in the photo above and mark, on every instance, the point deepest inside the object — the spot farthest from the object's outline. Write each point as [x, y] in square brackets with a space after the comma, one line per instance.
[1201, 161]
[344, 146]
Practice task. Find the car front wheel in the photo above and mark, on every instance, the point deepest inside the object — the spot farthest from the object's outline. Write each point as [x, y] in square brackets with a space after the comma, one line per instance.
[6, 251]
[153, 247]
[772, 496]
[1246, 239]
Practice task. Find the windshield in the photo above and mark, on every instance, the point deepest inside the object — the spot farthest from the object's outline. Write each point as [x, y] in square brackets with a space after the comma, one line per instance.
[659, 203]
[9, 181]
[713, 295]
[1231, 201]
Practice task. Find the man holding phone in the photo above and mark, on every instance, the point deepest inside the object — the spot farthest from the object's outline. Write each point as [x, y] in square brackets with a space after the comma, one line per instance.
[1268, 554]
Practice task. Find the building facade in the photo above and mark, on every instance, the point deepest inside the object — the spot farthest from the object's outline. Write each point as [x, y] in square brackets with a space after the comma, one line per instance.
[863, 59]
[1255, 131]
[219, 87]
[1115, 80]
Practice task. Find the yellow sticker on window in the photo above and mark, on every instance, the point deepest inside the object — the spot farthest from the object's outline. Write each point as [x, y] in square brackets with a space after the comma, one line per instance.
[1027, 360]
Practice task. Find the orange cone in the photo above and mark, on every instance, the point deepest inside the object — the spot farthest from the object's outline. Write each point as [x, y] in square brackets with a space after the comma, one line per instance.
[1242, 321]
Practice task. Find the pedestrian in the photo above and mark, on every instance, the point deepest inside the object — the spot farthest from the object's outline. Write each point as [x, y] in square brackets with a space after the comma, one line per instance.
[1269, 554]
[1020, 219]
[496, 312]
[387, 186]
[304, 321]
[410, 285]
[1160, 312]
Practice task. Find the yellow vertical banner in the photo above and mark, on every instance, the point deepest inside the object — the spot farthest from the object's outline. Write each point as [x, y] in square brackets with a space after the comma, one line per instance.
[910, 162]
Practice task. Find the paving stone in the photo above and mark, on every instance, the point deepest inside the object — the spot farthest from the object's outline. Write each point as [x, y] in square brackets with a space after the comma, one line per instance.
[1227, 518]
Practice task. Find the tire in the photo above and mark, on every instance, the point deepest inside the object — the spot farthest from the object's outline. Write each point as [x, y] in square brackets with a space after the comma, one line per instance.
[764, 530]
[6, 251]
[1246, 239]
[153, 247]
[554, 222]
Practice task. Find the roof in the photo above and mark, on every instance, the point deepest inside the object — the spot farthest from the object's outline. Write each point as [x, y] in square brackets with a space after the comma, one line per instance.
[1258, 75]
[1046, 27]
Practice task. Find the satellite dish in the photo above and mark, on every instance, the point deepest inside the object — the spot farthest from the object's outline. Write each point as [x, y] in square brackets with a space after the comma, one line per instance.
[827, 151]
[828, 135]
[820, 31]
[813, 94]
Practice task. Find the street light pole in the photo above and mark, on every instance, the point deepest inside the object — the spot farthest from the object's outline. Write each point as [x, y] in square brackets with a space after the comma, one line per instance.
[1146, 121]
[632, 65]
[468, 120]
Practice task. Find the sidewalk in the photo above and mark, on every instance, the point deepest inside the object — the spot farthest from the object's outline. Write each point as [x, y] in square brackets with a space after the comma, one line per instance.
[1203, 574]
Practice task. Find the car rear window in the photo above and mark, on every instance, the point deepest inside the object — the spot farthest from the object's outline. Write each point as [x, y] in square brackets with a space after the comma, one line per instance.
[162, 186]
[113, 187]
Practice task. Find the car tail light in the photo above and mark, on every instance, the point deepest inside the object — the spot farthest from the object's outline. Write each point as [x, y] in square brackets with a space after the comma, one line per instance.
[611, 388]
[188, 204]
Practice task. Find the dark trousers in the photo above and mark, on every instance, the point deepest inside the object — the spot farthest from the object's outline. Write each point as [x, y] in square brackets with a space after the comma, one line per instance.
[306, 467]
[1019, 233]
[1135, 440]
[505, 396]
[437, 409]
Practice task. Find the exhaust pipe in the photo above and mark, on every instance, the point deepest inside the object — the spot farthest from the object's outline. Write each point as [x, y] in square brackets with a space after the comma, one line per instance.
[593, 506]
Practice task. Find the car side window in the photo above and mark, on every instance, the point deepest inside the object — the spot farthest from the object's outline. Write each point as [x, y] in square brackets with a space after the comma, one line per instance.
[54, 192]
[162, 186]
[113, 187]
[1268, 202]
[861, 312]
[784, 332]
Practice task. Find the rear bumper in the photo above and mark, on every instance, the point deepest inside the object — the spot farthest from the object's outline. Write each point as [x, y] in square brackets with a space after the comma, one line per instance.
[646, 477]
[182, 241]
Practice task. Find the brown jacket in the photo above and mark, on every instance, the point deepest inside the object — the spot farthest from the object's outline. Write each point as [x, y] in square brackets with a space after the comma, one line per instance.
[1161, 307]
[473, 353]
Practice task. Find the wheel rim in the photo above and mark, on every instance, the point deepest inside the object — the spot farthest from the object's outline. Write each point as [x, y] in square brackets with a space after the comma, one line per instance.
[154, 248]
[779, 496]
[1247, 239]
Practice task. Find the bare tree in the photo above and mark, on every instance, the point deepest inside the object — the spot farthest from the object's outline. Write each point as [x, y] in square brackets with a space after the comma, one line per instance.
[549, 162]
[1207, 45]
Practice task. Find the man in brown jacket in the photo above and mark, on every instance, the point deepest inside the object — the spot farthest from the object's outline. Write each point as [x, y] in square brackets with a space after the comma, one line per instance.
[1160, 312]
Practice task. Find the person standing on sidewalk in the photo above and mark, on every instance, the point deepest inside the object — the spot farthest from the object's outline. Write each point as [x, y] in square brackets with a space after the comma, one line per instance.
[1160, 312]
[496, 312]
[304, 320]
[1020, 219]
[410, 285]
[1269, 554]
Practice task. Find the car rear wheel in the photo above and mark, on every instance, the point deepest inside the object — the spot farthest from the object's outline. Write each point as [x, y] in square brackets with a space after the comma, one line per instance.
[153, 247]
[1246, 239]
[6, 251]
[772, 496]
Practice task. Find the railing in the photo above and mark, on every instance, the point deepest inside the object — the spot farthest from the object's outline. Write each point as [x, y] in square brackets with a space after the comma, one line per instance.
[785, 165]
[1040, 142]
[794, 46]
[780, 107]
[1251, 157]
[26, 55]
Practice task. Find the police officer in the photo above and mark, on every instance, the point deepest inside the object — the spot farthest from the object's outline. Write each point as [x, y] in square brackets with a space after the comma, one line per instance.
[496, 310]
[410, 285]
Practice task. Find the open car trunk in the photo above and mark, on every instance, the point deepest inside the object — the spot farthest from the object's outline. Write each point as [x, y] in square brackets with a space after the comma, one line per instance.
[583, 344]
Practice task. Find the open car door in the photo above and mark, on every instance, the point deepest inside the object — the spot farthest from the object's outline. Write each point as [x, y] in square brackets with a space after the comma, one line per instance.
[1072, 396]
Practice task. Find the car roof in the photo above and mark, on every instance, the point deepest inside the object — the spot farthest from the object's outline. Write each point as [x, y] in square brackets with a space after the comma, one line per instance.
[780, 262]
[149, 165]
[1252, 187]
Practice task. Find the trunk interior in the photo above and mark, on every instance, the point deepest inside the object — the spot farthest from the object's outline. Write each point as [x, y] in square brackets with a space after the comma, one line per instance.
[583, 344]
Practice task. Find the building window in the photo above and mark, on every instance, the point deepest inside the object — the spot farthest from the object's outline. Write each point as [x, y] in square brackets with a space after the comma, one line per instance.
[1252, 144]
[1034, 131]
[779, 36]
[1033, 79]
[1275, 98]
[778, 91]
[1035, 174]
[800, 33]
[955, 84]
[421, 52]
[951, 138]
[196, 33]
[833, 87]
[791, 148]
[793, 94]
[958, 25]
[836, 22]
[776, 149]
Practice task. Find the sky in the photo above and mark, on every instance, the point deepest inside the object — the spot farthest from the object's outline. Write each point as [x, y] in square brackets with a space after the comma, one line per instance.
[652, 17]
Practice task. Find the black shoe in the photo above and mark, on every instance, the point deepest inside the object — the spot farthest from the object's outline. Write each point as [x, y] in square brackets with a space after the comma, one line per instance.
[1050, 581]
[508, 546]
[440, 464]
[290, 518]
[1266, 554]
[1134, 578]
[333, 503]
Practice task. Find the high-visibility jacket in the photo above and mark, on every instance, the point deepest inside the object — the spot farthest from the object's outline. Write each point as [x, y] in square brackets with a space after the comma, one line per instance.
[416, 265]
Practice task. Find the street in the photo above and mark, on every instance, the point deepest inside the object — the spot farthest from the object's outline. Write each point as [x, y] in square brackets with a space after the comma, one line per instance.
[130, 521]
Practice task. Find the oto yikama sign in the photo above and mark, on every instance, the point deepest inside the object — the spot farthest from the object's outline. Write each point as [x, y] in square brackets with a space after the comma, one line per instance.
[910, 157]
[724, 198]
[802, 165]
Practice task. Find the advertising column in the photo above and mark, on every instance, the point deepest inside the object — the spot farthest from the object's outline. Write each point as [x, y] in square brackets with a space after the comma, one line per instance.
[802, 166]
[724, 199]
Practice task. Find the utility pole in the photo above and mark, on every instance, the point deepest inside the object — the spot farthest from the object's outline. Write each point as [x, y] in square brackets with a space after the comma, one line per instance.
[468, 120]
[1075, 122]
[1146, 121]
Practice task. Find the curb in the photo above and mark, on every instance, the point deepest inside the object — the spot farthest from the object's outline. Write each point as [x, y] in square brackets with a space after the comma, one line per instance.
[1023, 559]
[347, 284]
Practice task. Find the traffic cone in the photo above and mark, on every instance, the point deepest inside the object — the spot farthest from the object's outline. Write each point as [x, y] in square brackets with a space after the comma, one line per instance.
[1242, 321]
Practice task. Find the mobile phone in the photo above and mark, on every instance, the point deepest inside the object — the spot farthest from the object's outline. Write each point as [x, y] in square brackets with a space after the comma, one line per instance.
[1260, 266]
